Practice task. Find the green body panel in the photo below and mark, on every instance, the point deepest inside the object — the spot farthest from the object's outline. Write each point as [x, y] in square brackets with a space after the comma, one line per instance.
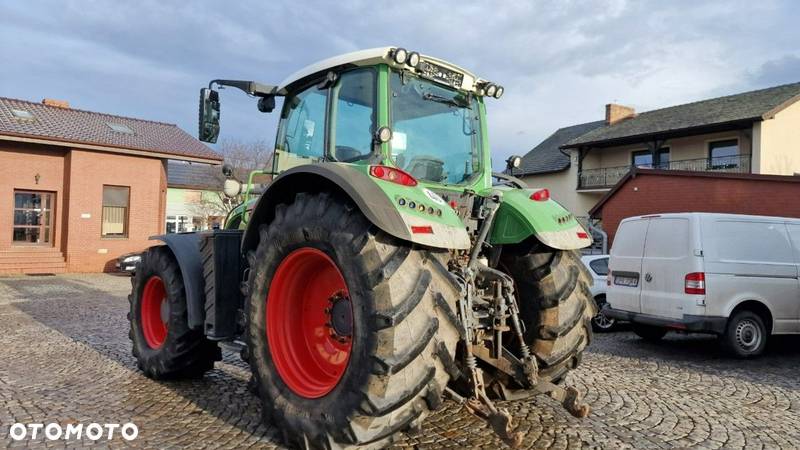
[520, 217]
[417, 195]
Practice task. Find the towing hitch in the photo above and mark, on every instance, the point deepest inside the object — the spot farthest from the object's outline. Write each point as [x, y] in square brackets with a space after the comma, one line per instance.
[569, 398]
[499, 419]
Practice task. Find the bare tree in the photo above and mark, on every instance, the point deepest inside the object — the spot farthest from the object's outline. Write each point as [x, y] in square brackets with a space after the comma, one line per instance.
[243, 157]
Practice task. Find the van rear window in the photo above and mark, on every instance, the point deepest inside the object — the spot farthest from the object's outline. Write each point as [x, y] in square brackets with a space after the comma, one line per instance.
[629, 239]
[667, 238]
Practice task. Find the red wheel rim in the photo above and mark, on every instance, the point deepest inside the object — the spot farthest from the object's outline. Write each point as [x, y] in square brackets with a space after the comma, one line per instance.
[154, 312]
[309, 322]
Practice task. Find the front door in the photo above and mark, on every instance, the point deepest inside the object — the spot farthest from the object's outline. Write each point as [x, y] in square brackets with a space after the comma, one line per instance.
[33, 218]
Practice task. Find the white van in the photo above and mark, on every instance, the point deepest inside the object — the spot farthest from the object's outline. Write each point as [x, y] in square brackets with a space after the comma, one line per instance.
[735, 276]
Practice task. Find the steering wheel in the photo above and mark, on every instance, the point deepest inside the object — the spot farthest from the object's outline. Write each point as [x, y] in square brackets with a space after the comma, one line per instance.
[344, 153]
[426, 167]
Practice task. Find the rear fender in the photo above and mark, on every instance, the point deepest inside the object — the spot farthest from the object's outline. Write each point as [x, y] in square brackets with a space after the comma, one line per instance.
[376, 199]
[520, 217]
[186, 249]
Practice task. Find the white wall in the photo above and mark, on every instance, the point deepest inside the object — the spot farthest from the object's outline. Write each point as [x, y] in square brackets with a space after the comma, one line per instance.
[780, 142]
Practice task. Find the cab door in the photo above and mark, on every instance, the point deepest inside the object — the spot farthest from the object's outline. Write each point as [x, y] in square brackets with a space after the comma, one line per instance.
[625, 265]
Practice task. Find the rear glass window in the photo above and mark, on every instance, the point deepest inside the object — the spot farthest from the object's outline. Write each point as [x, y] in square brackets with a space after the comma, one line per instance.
[752, 242]
[629, 239]
[667, 238]
[600, 266]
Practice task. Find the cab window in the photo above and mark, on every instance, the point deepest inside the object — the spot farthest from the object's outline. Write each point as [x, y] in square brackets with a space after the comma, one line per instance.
[353, 115]
[303, 123]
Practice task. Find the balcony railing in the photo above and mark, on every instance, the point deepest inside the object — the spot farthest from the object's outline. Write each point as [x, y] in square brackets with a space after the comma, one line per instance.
[607, 177]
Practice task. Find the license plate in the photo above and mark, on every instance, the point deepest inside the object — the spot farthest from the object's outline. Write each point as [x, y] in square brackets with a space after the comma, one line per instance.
[626, 281]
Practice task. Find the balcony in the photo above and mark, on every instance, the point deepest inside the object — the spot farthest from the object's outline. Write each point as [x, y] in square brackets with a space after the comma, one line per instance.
[607, 177]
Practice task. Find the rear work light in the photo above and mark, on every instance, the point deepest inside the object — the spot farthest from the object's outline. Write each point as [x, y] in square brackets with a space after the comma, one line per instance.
[695, 283]
[392, 174]
[542, 195]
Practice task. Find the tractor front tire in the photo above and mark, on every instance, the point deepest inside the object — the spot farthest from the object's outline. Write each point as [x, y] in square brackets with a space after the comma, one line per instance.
[350, 330]
[163, 343]
[555, 305]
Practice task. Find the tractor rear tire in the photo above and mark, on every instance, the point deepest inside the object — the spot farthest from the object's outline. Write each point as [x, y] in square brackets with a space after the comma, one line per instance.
[556, 305]
[163, 343]
[381, 351]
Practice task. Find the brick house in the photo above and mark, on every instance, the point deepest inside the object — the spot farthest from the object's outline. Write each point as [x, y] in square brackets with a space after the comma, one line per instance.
[755, 132]
[652, 191]
[79, 188]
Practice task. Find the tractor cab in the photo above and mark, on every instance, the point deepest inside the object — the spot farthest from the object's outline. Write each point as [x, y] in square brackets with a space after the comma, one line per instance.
[385, 106]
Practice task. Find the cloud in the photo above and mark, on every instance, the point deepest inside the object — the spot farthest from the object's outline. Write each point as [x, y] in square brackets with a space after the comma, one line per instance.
[783, 70]
[559, 61]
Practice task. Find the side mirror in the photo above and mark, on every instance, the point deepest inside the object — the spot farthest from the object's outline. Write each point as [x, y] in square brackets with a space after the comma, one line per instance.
[209, 116]
[266, 104]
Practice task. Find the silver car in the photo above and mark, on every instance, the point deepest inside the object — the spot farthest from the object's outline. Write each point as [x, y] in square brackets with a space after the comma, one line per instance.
[598, 267]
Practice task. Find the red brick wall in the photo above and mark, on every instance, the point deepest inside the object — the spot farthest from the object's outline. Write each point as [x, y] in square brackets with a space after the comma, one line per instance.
[658, 193]
[19, 164]
[86, 250]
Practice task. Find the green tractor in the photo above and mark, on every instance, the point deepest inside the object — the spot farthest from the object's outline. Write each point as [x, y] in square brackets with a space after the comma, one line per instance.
[383, 268]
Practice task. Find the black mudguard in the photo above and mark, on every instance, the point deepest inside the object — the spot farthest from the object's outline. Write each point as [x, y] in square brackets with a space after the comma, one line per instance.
[186, 248]
[328, 177]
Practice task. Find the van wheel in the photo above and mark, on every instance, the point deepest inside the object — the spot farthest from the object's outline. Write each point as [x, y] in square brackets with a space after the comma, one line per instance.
[745, 335]
[649, 332]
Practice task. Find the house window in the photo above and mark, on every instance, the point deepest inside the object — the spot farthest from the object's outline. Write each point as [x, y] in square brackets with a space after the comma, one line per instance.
[723, 154]
[179, 224]
[115, 211]
[644, 158]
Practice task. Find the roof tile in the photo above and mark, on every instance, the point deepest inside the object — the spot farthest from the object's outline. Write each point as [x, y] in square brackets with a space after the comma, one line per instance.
[547, 157]
[87, 127]
[746, 106]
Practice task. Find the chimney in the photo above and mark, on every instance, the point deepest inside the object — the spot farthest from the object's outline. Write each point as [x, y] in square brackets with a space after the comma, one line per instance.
[56, 103]
[617, 113]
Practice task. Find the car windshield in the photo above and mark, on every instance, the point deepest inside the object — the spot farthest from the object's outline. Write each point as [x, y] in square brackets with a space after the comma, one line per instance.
[436, 131]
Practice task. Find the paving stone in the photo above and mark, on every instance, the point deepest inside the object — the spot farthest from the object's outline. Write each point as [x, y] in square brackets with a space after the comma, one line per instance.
[65, 357]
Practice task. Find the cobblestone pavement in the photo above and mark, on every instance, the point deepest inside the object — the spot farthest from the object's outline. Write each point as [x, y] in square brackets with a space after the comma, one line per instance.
[65, 358]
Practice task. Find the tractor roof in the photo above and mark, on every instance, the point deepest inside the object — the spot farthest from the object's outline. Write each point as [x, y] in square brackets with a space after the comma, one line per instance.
[375, 56]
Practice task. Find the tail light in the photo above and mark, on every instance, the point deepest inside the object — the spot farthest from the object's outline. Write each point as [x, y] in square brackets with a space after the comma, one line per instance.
[542, 195]
[695, 283]
[392, 174]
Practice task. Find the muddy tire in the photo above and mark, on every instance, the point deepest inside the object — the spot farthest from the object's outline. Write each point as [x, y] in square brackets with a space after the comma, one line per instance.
[556, 305]
[163, 344]
[387, 328]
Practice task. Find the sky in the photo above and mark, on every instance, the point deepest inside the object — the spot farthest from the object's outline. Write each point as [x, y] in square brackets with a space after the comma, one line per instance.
[560, 62]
